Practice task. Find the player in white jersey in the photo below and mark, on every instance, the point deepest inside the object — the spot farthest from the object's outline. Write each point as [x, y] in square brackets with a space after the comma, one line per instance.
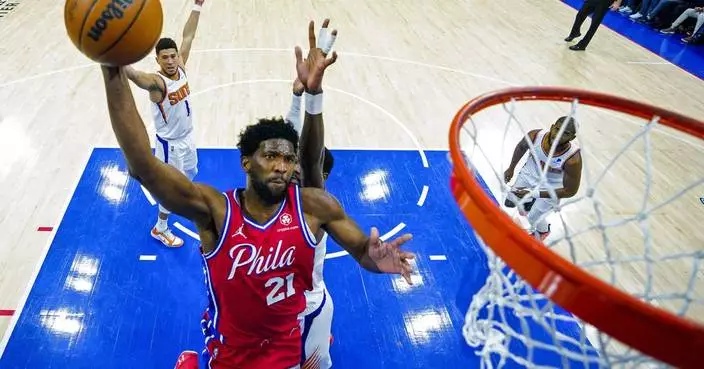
[172, 112]
[544, 172]
[316, 162]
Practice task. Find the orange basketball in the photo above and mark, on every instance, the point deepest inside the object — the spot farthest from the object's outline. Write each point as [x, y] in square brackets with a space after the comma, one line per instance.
[114, 32]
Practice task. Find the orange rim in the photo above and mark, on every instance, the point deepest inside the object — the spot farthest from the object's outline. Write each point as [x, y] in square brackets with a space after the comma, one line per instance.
[650, 330]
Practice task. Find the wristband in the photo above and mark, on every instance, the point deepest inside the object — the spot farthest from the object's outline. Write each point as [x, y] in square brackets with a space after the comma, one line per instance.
[314, 103]
[197, 8]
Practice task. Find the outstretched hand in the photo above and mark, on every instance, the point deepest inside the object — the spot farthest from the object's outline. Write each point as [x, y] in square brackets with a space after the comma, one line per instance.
[311, 69]
[388, 256]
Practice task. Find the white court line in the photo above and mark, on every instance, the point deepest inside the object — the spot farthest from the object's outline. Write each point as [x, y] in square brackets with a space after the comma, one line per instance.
[393, 118]
[385, 237]
[406, 61]
[186, 231]
[438, 257]
[42, 257]
[649, 63]
[413, 137]
[432, 66]
[423, 195]
[46, 74]
[148, 195]
[147, 257]
[396, 60]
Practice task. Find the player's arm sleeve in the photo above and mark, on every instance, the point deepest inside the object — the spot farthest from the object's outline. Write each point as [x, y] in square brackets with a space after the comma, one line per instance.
[294, 113]
[173, 189]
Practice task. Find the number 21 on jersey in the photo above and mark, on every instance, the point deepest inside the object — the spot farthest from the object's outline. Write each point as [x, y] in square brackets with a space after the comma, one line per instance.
[276, 294]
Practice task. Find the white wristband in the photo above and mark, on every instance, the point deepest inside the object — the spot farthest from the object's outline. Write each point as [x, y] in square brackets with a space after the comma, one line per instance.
[314, 103]
[197, 8]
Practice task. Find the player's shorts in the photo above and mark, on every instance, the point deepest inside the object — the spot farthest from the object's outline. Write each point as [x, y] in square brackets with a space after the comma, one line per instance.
[282, 352]
[180, 153]
[542, 205]
[315, 331]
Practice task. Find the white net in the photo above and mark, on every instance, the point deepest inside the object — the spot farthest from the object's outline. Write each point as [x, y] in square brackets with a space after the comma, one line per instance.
[636, 223]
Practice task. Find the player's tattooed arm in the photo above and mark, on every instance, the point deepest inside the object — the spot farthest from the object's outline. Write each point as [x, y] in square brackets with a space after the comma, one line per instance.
[199, 203]
[370, 251]
[147, 81]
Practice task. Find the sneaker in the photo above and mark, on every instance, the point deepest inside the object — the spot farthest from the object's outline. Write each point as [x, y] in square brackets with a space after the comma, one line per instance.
[667, 31]
[187, 360]
[687, 40]
[167, 238]
[541, 236]
[636, 16]
[625, 10]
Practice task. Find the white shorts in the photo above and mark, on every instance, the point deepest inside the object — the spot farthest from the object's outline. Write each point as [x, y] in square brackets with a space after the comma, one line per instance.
[180, 154]
[541, 206]
[315, 332]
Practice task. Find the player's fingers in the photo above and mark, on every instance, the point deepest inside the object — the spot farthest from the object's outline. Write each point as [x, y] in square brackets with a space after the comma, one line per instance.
[407, 276]
[299, 55]
[323, 36]
[332, 60]
[374, 236]
[401, 240]
[311, 35]
[329, 42]
[407, 256]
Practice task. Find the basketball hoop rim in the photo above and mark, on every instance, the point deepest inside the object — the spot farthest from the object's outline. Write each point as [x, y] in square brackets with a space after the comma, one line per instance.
[651, 330]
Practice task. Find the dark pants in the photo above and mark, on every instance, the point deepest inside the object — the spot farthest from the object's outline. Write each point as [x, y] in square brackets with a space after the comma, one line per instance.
[598, 9]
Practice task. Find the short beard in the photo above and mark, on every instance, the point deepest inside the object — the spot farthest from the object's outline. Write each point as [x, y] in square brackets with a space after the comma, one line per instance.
[265, 194]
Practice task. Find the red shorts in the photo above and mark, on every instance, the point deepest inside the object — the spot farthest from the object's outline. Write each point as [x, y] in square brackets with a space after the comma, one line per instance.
[280, 353]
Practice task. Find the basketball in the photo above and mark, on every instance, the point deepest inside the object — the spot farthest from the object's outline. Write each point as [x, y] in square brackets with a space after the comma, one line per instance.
[114, 32]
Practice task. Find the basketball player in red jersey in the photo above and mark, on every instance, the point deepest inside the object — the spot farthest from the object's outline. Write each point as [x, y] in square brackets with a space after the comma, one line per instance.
[258, 242]
[172, 113]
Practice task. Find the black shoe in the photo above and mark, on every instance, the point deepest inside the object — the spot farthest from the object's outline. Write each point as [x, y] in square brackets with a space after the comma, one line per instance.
[570, 37]
[578, 47]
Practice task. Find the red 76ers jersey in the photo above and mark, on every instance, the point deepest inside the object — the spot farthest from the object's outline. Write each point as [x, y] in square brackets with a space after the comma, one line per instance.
[257, 274]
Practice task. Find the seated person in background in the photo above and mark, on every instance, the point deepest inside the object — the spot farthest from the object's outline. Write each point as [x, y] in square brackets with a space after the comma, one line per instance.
[696, 37]
[645, 7]
[629, 6]
[697, 12]
[652, 17]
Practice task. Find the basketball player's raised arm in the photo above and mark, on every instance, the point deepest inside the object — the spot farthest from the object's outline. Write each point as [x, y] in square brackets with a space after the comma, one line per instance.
[173, 189]
[370, 251]
[572, 176]
[312, 148]
[189, 32]
[520, 150]
[310, 73]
